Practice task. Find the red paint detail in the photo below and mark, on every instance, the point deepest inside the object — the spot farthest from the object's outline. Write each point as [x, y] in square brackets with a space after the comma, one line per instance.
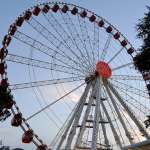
[109, 29]
[124, 43]
[46, 9]
[27, 136]
[74, 11]
[36, 11]
[2, 68]
[103, 69]
[16, 120]
[20, 21]
[117, 36]
[13, 29]
[65, 9]
[83, 14]
[27, 15]
[130, 50]
[55, 8]
[101, 23]
[92, 18]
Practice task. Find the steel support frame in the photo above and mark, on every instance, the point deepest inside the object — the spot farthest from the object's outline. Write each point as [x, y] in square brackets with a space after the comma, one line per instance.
[75, 114]
[126, 107]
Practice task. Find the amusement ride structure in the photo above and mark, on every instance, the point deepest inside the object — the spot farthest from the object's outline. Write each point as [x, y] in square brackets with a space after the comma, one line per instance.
[54, 50]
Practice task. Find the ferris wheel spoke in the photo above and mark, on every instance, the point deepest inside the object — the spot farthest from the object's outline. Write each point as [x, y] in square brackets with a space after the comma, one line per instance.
[122, 66]
[119, 114]
[114, 56]
[131, 87]
[87, 38]
[126, 77]
[44, 83]
[42, 48]
[96, 41]
[67, 39]
[114, 117]
[74, 34]
[133, 91]
[84, 39]
[106, 46]
[128, 110]
[129, 123]
[59, 45]
[115, 134]
[131, 97]
[42, 64]
[54, 102]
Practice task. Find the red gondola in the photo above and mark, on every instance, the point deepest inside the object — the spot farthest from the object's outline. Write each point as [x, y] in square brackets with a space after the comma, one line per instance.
[46, 8]
[83, 14]
[124, 43]
[117, 36]
[55, 8]
[101, 23]
[13, 29]
[20, 21]
[2, 68]
[130, 50]
[109, 29]
[27, 136]
[16, 120]
[65, 9]
[6, 40]
[92, 18]
[27, 15]
[74, 11]
[36, 11]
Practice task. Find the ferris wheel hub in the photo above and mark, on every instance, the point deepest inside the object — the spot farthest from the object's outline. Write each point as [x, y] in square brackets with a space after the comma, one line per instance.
[103, 69]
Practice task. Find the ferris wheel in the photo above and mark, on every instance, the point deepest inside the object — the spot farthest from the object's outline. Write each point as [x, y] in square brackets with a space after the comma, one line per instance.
[73, 81]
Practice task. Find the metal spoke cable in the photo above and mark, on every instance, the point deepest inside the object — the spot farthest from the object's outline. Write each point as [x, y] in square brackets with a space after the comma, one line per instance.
[49, 105]
[122, 112]
[59, 93]
[121, 120]
[63, 34]
[140, 104]
[83, 41]
[122, 66]
[89, 40]
[131, 91]
[44, 83]
[106, 46]
[129, 86]
[40, 47]
[40, 64]
[126, 77]
[115, 55]
[96, 41]
[60, 132]
[73, 33]
[40, 102]
[79, 36]
[128, 110]
[114, 116]
[49, 36]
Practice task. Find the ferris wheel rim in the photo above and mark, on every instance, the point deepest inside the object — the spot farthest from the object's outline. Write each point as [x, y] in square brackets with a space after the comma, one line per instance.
[81, 8]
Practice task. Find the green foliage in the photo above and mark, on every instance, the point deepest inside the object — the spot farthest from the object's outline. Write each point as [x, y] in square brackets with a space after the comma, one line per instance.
[142, 60]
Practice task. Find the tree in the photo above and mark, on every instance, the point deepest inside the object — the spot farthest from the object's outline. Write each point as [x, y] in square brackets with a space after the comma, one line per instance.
[142, 59]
